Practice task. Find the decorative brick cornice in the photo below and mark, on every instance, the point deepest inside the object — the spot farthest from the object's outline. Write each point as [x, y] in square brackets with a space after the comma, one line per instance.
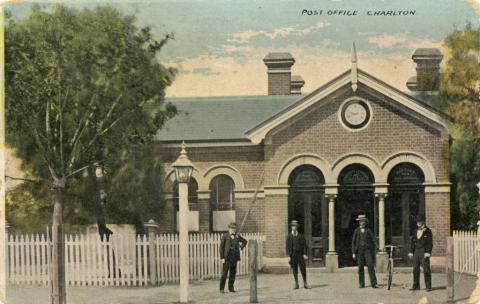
[437, 187]
[248, 193]
[276, 190]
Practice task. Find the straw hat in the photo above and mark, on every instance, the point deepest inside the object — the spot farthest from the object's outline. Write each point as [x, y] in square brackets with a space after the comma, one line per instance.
[362, 218]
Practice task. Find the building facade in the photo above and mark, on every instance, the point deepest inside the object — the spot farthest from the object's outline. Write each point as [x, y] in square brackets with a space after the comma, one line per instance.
[355, 145]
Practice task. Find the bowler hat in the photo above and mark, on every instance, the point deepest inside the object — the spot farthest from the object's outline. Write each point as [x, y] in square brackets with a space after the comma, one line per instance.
[362, 217]
[420, 218]
[232, 225]
[294, 223]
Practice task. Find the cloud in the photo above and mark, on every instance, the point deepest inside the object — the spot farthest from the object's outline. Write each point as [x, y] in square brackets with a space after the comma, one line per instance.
[230, 75]
[202, 71]
[388, 41]
[475, 4]
[245, 36]
[403, 39]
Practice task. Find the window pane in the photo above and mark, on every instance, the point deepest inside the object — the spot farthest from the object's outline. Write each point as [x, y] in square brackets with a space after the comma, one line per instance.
[222, 187]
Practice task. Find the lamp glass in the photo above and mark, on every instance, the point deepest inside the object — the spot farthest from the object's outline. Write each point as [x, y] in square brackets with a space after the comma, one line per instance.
[183, 173]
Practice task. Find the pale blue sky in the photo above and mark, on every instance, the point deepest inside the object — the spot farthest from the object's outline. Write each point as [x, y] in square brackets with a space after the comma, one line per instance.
[219, 45]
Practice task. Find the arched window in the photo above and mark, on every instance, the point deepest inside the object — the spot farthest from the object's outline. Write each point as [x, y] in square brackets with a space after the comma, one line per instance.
[406, 175]
[192, 194]
[222, 193]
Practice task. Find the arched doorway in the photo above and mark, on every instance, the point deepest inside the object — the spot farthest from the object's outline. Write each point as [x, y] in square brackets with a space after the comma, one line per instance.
[406, 199]
[355, 197]
[307, 205]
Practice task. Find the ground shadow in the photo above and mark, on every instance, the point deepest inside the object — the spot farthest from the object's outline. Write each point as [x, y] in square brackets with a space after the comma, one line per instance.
[459, 300]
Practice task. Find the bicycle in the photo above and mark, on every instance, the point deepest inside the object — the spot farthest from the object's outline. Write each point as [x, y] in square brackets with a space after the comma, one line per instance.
[390, 265]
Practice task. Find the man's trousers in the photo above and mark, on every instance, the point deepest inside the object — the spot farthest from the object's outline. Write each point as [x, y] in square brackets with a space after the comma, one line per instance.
[366, 257]
[228, 267]
[296, 261]
[420, 260]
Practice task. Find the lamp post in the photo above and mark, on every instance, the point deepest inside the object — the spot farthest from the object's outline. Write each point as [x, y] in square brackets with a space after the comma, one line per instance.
[475, 296]
[183, 171]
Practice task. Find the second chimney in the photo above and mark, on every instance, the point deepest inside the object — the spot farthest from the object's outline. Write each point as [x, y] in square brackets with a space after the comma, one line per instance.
[296, 84]
[279, 73]
[428, 70]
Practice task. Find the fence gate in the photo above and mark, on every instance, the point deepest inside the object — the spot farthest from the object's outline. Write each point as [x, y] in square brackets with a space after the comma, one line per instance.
[123, 260]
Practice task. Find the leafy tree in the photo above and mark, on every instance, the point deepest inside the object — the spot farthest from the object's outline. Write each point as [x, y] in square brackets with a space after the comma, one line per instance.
[465, 170]
[460, 98]
[74, 81]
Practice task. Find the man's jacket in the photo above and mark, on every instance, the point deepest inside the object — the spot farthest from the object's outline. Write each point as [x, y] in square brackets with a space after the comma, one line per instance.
[425, 242]
[232, 245]
[370, 242]
[290, 244]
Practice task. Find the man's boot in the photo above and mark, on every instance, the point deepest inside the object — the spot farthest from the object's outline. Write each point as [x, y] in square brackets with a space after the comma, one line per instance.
[296, 281]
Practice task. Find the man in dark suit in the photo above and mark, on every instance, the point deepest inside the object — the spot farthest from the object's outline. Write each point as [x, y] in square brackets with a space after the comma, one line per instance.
[420, 250]
[230, 247]
[297, 254]
[363, 250]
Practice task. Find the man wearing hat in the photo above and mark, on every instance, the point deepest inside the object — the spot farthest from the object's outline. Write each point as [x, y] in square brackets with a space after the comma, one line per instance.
[420, 250]
[363, 250]
[297, 253]
[230, 247]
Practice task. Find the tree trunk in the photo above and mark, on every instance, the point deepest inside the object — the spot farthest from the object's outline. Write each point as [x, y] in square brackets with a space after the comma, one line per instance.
[57, 277]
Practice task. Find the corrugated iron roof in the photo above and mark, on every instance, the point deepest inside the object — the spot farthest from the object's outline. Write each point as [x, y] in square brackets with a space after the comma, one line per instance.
[220, 118]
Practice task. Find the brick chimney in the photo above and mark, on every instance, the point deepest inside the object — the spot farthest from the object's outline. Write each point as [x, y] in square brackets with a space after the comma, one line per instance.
[279, 73]
[428, 70]
[296, 84]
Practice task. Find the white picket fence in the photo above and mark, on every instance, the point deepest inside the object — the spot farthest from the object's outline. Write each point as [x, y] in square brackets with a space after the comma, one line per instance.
[124, 260]
[466, 258]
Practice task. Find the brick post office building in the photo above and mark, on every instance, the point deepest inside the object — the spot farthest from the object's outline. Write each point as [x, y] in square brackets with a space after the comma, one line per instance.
[354, 145]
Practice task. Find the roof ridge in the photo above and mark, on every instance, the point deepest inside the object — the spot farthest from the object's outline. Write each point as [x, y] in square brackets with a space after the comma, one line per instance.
[233, 97]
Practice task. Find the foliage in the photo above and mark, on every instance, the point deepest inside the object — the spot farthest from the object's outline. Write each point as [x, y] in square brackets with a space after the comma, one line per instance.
[460, 83]
[460, 99]
[84, 89]
[465, 171]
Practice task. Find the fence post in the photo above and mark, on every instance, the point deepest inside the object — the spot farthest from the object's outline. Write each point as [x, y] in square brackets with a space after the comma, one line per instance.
[449, 270]
[151, 228]
[252, 258]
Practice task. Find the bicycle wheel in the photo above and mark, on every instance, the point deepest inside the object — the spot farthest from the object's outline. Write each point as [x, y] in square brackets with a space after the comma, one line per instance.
[390, 274]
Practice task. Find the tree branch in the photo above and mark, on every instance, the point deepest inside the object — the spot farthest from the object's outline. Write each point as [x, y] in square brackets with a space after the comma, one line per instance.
[22, 179]
[81, 169]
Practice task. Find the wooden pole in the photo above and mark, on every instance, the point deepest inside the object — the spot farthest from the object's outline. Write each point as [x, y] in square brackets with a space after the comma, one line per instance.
[252, 257]
[449, 270]
[254, 199]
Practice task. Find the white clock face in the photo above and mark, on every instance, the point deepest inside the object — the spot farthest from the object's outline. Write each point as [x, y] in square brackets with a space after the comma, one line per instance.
[355, 114]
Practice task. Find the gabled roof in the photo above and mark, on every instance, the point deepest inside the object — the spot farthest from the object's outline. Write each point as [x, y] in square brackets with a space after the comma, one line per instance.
[249, 118]
[258, 133]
